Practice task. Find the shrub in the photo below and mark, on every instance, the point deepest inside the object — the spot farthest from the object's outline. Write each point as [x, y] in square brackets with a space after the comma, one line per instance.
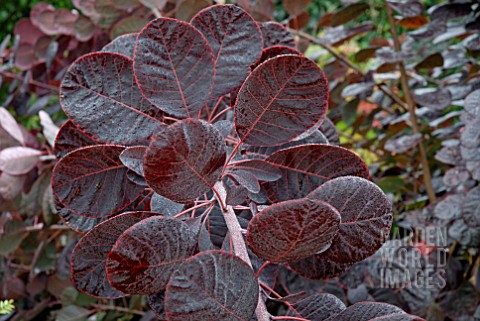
[187, 136]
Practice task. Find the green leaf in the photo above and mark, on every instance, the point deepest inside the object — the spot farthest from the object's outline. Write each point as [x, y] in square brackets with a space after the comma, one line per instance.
[12, 237]
[391, 184]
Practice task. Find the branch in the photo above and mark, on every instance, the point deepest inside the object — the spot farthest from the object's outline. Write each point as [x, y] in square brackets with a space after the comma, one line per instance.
[239, 247]
[427, 176]
[30, 81]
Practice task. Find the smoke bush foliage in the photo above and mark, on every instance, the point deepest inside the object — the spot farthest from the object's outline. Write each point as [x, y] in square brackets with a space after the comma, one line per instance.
[186, 134]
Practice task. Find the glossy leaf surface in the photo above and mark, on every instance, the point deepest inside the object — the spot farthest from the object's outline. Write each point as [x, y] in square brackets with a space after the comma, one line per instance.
[101, 104]
[174, 66]
[184, 160]
[18, 160]
[365, 214]
[146, 255]
[212, 285]
[91, 182]
[306, 167]
[236, 43]
[90, 254]
[281, 99]
[292, 230]
[124, 45]
[275, 34]
[70, 137]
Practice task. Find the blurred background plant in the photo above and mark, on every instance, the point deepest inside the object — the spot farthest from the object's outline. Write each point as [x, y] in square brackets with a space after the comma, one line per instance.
[404, 81]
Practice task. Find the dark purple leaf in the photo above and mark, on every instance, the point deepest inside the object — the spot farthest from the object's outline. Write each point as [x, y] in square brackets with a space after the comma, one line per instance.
[338, 35]
[471, 208]
[304, 168]
[274, 51]
[366, 217]
[236, 42]
[165, 206]
[146, 255]
[174, 66]
[204, 241]
[403, 143]
[101, 104]
[348, 13]
[280, 100]
[318, 267]
[292, 230]
[409, 8]
[212, 285]
[296, 7]
[246, 179]
[185, 160]
[460, 303]
[132, 158]
[451, 11]
[236, 195]
[366, 311]
[262, 152]
[124, 45]
[91, 182]
[90, 254]
[437, 99]
[275, 34]
[463, 233]
[70, 137]
[472, 103]
[18, 160]
[262, 170]
[79, 223]
[317, 307]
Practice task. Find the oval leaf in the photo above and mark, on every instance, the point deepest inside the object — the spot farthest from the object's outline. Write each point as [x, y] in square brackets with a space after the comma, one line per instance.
[280, 100]
[366, 311]
[100, 95]
[236, 42]
[275, 34]
[317, 307]
[132, 158]
[174, 66]
[146, 255]
[212, 285]
[366, 217]
[70, 137]
[124, 45]
[275, 51]
[91, 181]
[348, 13]
[165, 206]
[90, 254]
[184, 160]
[18, 160]
[292, 230]
[306, 167]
